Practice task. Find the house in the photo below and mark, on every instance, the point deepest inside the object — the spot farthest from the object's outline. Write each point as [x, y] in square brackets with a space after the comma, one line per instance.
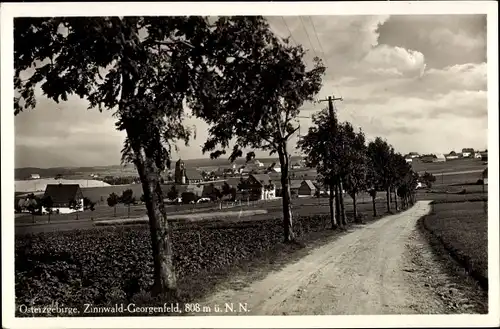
[35, 176]
[413, 155]
[467, 152]
[307, 188]
[62, 194]
[477, 155]
[452, 156]
[296, 166]
[409, 160]
[261, 186]
[439, 158]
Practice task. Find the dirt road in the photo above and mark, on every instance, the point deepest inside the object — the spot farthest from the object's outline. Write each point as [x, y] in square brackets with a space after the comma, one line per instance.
[380, 268]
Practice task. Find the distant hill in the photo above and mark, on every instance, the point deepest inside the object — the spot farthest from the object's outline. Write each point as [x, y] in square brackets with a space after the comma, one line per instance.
[81, 172]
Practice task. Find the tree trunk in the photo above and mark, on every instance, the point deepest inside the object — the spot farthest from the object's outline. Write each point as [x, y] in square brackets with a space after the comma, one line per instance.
[337, 205]
[164, 274]
[114, 211]
[128, 211]
[388, 199]
[396, 200]
[49, 217]
[374, 206]
[333, 219]
[165, 282]
[355, 208]
[289, 235]
[342, 205]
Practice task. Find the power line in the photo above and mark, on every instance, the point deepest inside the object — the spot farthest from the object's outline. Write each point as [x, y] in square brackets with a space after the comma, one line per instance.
[307, 33]
[323, 52]
[289, 31]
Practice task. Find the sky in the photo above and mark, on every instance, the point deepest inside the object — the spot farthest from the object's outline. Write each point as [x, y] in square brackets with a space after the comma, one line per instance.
[417, 81]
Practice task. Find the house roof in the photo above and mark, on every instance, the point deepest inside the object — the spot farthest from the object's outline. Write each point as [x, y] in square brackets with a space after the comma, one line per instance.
[310, 184]
[193, 174]
[263, 179]
[233, 181]
[62, 193]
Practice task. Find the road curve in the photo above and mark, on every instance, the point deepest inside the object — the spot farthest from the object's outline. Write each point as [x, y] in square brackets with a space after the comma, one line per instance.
[367, 271]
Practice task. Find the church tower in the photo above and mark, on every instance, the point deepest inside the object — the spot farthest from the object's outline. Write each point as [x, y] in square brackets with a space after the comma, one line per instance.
[180, 172]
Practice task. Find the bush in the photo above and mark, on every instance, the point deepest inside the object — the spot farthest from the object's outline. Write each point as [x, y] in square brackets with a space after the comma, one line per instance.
[111, 265]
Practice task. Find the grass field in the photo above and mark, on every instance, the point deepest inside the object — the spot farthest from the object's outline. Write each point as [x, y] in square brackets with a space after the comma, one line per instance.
[448, 166]
[462, 229]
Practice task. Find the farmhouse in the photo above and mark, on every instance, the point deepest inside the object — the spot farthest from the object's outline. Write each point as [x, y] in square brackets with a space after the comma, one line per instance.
[62, 194]
[262, 186]
[439, 158]
[452, 156]
[35, 176]
[467, 152]
[307, 188]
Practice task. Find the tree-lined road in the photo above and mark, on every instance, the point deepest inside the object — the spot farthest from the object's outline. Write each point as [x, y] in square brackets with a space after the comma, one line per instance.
[371, 270]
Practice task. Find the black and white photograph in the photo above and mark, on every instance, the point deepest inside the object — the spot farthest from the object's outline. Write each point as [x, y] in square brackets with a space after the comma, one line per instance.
[186, 164]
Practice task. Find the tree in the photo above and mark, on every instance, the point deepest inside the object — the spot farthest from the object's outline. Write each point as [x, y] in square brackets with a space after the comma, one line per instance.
[372, 183]
[143, 69]
[173, 193]
[355, 165]
[379, 153]
[86, 203]
[31, 205]
[48, 204]
[128, 198]
[76, 205]
[428, 179]
[113, 201]
[272, 84]
[322, 147]
[189, 197]
[401, 169]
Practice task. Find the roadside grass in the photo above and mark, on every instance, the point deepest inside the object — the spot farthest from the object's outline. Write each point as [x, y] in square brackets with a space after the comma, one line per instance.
[460, 228]
[114, 264]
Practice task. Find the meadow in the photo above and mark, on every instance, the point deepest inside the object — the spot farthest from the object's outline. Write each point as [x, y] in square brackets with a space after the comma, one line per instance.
[462, 229]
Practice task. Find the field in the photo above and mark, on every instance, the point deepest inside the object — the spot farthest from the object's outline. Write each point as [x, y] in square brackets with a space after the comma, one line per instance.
[462, 228]
[39, 185]
[107, 265]
[448, 166]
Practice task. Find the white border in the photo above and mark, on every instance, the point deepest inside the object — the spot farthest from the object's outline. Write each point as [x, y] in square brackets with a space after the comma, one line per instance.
[9, 10]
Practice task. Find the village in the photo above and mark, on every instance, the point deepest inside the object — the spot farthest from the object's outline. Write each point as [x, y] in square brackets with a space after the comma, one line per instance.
[252, 181]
